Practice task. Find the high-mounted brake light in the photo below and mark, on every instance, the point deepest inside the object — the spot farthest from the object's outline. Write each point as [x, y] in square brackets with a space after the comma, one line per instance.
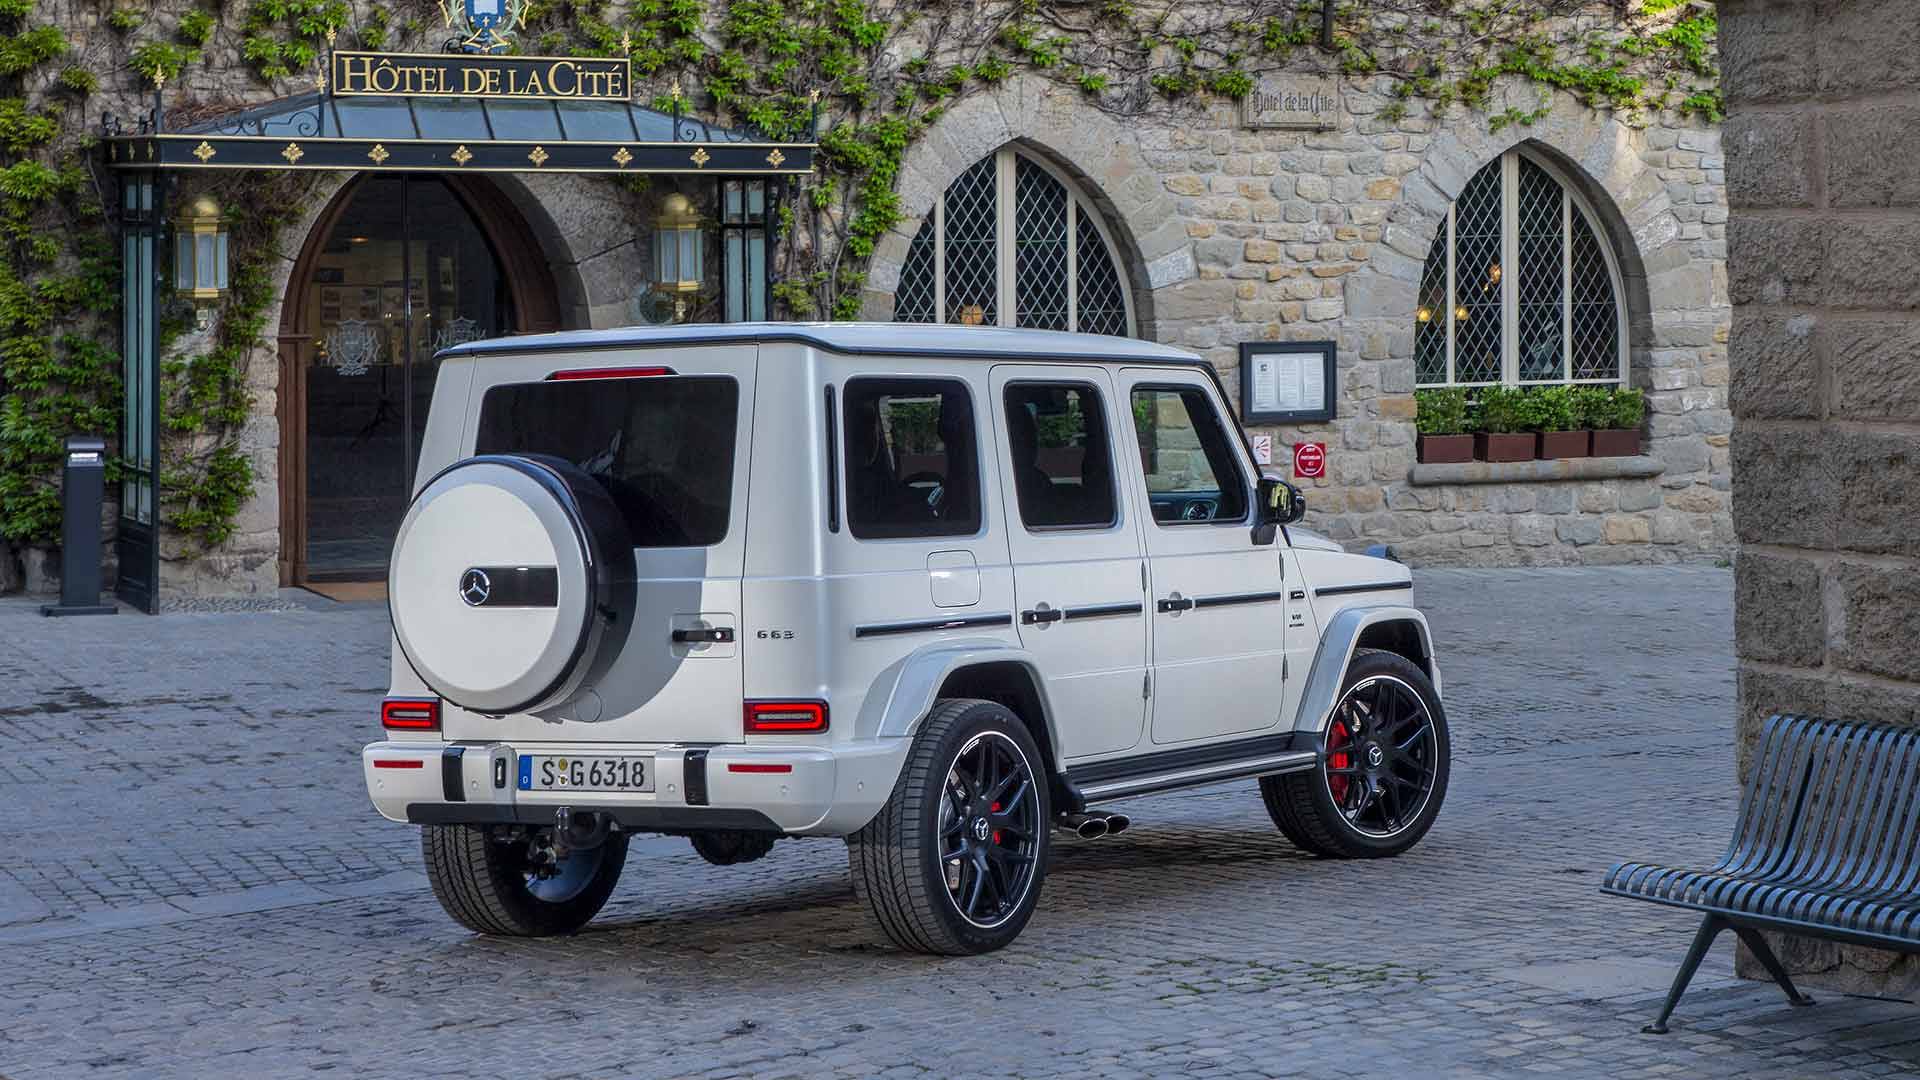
[578, 374]
[770, 717]
[410, 714]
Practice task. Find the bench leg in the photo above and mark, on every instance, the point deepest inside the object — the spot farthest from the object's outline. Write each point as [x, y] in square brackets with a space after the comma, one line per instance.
[1764, 953]
[1710, 928]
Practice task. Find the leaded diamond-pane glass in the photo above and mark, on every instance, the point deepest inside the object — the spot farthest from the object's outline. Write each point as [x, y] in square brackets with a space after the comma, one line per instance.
[1476, 285]
[973, 235]
[1430, 318]
[1539, 223]
[1103, 306]
[1040, 206]
[1596, 322]
[913, 300]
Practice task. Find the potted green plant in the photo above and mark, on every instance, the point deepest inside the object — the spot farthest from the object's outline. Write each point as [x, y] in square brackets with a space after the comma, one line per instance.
[1619, 434]
[1592, 408]
[1552, 413]
[1504, 431]
[1445, 428]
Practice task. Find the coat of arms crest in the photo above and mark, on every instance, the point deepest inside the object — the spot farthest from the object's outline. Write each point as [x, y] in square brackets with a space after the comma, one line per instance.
[489, 23]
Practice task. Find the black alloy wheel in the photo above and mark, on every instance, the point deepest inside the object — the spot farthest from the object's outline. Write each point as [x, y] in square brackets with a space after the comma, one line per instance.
[954, 862]
[1382, 773]
[1380, 759]
[989, 829]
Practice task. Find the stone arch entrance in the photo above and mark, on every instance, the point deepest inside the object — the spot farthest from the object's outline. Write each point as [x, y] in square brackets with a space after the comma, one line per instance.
[395, 267]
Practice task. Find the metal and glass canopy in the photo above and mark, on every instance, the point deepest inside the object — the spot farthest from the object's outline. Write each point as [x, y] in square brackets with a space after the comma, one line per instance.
[426, 133]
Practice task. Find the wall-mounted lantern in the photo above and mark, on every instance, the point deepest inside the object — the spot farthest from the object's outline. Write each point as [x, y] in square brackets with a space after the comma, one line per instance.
[200, 257]
[678, 250]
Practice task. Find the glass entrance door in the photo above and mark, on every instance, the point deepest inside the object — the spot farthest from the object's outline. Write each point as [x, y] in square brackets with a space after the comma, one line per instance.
[405, 271]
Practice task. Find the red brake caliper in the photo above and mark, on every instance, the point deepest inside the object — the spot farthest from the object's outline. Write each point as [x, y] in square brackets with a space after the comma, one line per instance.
[1337, 758]
[996, 832]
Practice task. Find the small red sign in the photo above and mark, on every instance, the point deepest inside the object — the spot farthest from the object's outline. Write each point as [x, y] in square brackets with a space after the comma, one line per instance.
[1309, 460]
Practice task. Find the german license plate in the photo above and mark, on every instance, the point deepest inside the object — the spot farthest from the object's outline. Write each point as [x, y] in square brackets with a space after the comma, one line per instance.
[565, 772]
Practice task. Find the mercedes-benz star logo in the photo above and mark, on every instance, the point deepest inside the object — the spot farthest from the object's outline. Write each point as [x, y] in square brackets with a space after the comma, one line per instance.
[474, 587]
[981, 830]
[1375, 755]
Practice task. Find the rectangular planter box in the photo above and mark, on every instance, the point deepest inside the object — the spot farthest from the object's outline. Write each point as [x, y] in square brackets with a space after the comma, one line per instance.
[1445, 449]
[1563, 444]
[1516, 446]
[1617, 442]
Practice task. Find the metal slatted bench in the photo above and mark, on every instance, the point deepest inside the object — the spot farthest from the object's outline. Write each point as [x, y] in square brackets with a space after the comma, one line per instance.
[1827, 844]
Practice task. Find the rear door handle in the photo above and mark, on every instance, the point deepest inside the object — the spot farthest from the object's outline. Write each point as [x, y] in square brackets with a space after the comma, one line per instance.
[1176, 602]
[1042, 616]
[717, 635]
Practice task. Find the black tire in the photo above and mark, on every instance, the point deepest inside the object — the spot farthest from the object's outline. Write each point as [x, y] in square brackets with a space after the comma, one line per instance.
[1324, 814]
[897, 864]
[483, 882]
[726, 847]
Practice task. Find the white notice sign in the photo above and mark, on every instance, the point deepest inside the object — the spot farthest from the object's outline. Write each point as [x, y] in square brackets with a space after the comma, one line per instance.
[1286, 382]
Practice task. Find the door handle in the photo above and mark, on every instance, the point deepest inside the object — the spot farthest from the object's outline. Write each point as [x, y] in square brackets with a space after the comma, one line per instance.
[1042, 616]
[1176, 602]
[718, 635]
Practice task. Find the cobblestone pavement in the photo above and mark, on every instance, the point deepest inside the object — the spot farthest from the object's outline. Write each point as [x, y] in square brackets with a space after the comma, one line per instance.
[196, 887]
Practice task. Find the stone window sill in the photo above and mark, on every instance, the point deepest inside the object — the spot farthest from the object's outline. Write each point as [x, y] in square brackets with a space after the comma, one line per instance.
[1528, 472]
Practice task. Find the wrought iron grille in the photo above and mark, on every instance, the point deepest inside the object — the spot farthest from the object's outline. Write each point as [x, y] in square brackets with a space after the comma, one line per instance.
[972, 225]
[1518, 286]
[1102, 300]
[1010, 243]
[1477, 307]
[1040, 270]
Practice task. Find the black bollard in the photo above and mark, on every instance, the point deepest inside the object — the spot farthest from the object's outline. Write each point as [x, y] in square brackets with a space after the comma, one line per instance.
[82, 487]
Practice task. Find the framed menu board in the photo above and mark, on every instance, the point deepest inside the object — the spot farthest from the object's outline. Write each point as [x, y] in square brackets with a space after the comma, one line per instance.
[1287, 382]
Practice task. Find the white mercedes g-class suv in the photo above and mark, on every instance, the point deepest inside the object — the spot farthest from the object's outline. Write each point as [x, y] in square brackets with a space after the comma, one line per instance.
[937, 590]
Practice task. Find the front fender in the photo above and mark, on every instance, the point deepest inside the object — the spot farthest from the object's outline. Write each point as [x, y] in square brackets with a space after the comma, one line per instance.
[1337, 644]
[904, 693]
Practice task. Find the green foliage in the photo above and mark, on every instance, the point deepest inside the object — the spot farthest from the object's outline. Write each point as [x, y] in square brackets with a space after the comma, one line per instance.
[159, 60]
[78, 80]
[1441, 410]
[282, 37]
[1592, 407]
[25, 50]
[1629, 408]
[196, 27]
[1550, 408]
[1504, 410]
[125, 20]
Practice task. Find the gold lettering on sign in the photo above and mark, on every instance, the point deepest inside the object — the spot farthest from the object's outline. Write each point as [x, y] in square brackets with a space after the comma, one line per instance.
[402, 75]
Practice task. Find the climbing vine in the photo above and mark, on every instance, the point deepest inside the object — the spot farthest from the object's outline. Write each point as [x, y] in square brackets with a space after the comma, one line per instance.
[869, 76]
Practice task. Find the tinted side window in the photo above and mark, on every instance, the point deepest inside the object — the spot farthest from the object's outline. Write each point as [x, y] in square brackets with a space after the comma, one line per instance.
[662, 447]
[913, 461]
[1191, 475]
[1062, 465]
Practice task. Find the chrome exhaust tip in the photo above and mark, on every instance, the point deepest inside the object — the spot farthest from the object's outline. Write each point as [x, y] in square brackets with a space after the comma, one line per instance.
[1085, 826]
[1118, 823]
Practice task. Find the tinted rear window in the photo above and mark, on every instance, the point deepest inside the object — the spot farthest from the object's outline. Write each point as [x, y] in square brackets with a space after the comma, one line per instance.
[662, 447]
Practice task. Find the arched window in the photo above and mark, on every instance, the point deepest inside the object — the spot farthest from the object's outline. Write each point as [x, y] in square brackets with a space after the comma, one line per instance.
[1520, 287]
[1011, 243]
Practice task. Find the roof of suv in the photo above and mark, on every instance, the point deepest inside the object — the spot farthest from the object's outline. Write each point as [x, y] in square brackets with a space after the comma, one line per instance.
[883, 339]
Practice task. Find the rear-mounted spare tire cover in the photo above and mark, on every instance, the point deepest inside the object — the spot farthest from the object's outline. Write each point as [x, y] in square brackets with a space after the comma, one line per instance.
[511, 586]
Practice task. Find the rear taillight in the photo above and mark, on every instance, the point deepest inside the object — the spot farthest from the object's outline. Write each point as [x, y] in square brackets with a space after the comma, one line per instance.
[410, 714]
[775, 717]
[576, 374]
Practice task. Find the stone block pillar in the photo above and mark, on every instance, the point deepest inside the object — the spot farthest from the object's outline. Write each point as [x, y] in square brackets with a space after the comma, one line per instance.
[1823, 175]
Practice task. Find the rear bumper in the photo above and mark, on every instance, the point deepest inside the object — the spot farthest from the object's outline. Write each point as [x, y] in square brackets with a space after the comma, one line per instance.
[828, 791]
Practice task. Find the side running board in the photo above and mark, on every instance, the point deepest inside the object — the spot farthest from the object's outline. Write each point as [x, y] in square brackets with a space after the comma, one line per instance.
[1266, 755]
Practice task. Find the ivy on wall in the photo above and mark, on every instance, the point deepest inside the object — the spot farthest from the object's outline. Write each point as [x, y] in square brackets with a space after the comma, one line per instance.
[884, 72]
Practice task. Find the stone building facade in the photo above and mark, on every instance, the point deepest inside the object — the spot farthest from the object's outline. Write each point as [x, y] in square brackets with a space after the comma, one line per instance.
[1232, 235]
[1217, 232]
[1822, 139]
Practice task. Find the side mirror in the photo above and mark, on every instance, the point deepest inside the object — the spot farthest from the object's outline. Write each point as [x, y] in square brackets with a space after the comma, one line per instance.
[1280, 502]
